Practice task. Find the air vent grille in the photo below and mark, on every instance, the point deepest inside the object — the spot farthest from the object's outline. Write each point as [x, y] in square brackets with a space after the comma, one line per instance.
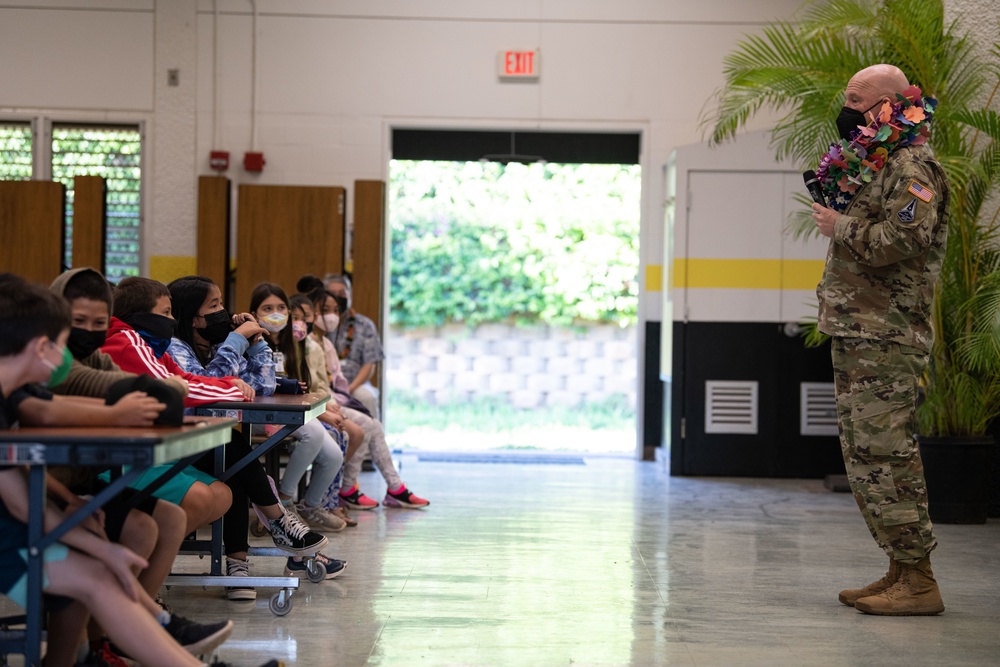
[731, 407]
[817, 409]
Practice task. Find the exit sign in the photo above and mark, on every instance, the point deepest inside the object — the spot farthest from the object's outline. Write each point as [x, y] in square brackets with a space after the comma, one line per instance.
[519, 65]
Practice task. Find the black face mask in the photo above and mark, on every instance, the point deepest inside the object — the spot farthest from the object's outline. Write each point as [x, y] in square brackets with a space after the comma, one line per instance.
[155, 329]
[309, 327]
[217, 327]
[157, 326]
[82, 342]
[341, 304]
[849, 120]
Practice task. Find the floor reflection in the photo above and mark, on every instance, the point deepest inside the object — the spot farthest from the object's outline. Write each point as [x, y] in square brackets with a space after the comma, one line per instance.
[609, 563]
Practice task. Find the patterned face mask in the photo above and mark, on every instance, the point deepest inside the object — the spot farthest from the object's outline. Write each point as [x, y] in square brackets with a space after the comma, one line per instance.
[274, 322]
[299, 330]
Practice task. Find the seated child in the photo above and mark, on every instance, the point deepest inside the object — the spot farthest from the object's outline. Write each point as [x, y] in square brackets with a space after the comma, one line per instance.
[34, 328]
[210, 343]
[315, 445]
[319, 381]
[146, 304]
[156, 528]
[323, 313]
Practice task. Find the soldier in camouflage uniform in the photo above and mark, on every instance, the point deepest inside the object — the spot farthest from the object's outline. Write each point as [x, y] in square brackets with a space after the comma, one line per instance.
[875, 297]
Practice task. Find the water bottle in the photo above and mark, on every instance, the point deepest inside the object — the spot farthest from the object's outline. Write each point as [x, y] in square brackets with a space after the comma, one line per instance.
[267, 379]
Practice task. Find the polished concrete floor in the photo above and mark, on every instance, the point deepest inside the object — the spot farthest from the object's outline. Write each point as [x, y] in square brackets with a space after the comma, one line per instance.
[611, 562]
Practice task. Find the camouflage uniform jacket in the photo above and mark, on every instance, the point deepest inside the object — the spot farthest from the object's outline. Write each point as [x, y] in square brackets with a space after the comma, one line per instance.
[886, 253]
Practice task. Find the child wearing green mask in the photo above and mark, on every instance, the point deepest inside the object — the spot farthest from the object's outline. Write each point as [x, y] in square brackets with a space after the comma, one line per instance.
[34, 331]
[156, 528]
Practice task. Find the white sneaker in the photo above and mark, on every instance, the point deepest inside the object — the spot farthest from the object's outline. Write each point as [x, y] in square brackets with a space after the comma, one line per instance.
[239, 568]
[320, 519]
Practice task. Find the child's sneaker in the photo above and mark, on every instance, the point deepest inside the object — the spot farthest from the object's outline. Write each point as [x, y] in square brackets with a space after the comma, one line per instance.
[321, 519]
[334, 567]
[402, 497]
[239, 568]
[199, 638]
[291, 535]
[342, 513]
[355, 499]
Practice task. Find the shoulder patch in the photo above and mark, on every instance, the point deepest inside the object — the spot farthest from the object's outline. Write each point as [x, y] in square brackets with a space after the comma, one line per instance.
[907, 213]
[921, 192]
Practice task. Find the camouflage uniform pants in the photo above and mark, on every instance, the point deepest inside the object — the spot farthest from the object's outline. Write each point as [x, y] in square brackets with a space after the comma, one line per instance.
[876, 384]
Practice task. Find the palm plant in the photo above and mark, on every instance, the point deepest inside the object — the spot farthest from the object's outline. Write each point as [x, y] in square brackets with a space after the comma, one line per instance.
[801, 69]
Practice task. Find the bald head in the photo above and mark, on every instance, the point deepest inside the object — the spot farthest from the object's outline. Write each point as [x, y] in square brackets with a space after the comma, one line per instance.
[873, 85]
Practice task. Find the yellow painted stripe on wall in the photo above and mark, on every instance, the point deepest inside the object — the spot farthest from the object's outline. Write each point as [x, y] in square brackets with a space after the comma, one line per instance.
[790, 274]
[654, 277]
[801, 273]
[168, 267]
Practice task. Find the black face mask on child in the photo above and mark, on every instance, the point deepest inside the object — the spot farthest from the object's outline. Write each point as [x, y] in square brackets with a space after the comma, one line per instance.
[83, 342]
[155, 329]
[217, 327]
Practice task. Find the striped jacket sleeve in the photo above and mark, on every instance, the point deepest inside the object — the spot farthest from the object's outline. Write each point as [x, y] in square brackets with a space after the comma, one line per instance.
[131, 353]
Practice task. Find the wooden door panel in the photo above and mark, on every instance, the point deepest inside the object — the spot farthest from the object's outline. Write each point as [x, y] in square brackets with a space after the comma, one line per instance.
[284, 232]
[32, 215]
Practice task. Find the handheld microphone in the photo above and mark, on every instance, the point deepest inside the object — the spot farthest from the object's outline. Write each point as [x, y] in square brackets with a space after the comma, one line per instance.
[813, 186]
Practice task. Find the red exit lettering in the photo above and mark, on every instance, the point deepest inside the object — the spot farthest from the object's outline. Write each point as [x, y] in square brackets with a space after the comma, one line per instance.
[519, 63]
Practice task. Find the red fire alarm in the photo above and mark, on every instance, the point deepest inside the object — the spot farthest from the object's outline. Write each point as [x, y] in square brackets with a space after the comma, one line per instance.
[253, 161]
[219, 160]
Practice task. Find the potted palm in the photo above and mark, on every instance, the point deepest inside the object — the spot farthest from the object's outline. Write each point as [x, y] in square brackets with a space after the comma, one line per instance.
[800, 69]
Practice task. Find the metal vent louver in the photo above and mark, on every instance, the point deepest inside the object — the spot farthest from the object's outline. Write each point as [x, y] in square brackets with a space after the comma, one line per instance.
[817, 409]
[731, 406]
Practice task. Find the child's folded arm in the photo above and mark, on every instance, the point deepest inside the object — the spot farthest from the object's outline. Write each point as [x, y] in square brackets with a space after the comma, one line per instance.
[135, 409]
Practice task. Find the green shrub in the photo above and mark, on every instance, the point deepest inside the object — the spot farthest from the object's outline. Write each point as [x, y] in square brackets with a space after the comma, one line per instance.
[484, 242]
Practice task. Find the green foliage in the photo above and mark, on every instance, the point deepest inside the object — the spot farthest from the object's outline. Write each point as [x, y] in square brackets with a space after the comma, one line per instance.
[15, 152]
[801, 69]
[115, 154]
[485, 242]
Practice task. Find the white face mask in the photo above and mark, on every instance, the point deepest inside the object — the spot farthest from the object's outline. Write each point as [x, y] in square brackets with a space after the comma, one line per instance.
[274, 322]
[331, 322]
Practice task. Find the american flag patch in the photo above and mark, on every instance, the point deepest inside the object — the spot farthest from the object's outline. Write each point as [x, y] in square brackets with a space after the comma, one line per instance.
[920, 192]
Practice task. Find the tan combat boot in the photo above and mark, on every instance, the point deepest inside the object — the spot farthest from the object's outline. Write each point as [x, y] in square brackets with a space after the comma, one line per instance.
[914, 594]
[852, 595]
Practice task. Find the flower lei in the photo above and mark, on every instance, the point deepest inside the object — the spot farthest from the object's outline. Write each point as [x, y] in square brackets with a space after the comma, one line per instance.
[350, 335]
[851, 164]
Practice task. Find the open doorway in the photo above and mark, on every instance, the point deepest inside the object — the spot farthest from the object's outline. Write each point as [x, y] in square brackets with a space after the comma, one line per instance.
[513, 305]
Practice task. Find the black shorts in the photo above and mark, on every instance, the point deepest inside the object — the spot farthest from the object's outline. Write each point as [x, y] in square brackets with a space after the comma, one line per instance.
[115, 512]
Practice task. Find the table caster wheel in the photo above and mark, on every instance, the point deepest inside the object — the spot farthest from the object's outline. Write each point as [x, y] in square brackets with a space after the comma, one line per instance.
[315, 570]
[281, 603]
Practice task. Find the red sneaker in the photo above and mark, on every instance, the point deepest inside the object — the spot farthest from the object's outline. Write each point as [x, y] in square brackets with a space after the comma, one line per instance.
[354, 498]
[402, 497]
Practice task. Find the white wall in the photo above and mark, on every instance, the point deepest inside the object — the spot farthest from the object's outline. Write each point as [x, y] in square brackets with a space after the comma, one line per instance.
[334, 75]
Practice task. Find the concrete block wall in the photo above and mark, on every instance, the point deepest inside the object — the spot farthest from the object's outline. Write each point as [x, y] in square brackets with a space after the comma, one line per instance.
[531, 367]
